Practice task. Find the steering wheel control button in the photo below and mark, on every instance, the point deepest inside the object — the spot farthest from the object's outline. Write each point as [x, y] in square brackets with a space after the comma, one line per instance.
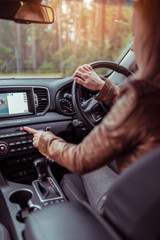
[78, 123]
[3, 148]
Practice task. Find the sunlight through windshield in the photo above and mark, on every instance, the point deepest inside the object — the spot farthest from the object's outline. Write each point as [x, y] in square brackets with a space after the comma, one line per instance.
[83, 32]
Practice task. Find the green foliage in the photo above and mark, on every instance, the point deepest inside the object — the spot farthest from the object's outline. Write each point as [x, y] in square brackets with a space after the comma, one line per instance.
[6, 54]
[46, 67]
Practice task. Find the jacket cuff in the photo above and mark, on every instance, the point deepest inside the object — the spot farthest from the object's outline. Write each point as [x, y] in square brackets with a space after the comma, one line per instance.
[108, 93]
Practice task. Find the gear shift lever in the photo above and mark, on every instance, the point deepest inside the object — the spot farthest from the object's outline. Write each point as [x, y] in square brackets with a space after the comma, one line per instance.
[44, 185]
[41, 167]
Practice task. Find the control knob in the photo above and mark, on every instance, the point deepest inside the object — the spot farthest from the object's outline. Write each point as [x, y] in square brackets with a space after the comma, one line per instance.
[3, 148]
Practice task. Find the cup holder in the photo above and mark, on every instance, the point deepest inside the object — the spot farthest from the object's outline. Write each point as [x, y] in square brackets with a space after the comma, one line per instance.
[23, 199]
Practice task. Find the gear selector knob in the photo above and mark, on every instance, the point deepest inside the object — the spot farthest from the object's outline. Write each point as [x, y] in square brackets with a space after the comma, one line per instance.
[44, 184]
[41, 167]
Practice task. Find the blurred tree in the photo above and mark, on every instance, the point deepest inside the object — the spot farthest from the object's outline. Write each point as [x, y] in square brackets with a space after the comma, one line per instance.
[82, 32]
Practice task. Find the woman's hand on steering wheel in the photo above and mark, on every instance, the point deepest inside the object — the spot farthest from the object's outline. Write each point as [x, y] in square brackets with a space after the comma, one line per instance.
[87, 77]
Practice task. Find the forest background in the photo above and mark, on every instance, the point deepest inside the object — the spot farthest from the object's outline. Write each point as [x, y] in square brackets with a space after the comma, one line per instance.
[83, 32]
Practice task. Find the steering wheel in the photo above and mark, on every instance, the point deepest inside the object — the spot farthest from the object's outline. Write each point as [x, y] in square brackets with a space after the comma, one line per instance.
[92, 111]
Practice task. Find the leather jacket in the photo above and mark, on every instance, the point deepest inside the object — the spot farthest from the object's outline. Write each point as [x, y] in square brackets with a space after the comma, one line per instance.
[127, 132]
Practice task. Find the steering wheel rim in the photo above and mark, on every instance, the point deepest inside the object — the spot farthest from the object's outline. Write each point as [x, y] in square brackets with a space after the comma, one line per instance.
[84, 114]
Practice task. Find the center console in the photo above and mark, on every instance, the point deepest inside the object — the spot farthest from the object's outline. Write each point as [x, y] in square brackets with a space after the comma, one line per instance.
[45, 186]
[19, 200]
[24, 187]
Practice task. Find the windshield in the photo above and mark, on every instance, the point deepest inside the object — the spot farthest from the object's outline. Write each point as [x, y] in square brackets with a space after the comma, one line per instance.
[83, 32]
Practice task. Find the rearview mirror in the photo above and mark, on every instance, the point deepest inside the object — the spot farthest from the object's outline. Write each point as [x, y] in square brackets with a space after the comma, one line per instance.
[26, 12]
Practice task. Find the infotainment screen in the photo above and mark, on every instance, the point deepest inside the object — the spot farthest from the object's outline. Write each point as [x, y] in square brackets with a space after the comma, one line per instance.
[13, 103]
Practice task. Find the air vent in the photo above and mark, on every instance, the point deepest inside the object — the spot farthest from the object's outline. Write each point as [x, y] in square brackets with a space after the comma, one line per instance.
[41, 99]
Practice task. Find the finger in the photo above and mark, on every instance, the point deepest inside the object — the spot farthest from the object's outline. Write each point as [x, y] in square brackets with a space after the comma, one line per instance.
[77, 73]
[79, 81]
[80, 70]
[30, 130]
[85, 69]
[35, 141]
[35, 144]
[80, 75]
[88, 67]
[83, 83]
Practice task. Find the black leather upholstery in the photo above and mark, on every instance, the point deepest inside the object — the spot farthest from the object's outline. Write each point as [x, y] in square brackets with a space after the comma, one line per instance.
[133, 203]
[67, 221]
[4, 235]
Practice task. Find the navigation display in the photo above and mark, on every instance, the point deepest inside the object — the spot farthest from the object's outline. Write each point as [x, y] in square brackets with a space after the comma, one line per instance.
[13, 103]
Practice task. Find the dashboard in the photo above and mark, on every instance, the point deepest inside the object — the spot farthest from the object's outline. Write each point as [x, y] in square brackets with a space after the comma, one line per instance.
[43, 105]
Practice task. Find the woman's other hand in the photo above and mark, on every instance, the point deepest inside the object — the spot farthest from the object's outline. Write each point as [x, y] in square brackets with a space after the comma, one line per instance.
[36, 135]
[87, 77]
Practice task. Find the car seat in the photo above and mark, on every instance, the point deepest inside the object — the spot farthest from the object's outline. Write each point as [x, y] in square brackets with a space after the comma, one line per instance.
[133, 202]
[91, 187]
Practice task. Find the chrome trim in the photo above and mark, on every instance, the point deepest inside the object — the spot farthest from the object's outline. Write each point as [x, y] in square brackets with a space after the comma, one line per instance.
[32, 205]
[49, 199]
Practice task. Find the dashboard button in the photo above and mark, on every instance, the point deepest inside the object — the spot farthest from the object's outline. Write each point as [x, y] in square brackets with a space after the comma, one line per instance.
[12, 150]
[12, 144]
[2, 136]
[31, 147]
[19, 149]
[7, 135]
[24, 159]
[20, 133]
[49, 129]
[3, 148]
[24, 148]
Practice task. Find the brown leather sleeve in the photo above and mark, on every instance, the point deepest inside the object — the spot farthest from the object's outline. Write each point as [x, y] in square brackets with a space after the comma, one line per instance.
[108, 93]
[104, 143]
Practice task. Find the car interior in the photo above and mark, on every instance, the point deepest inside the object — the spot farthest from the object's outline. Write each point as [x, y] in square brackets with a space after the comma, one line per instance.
[40, 199]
